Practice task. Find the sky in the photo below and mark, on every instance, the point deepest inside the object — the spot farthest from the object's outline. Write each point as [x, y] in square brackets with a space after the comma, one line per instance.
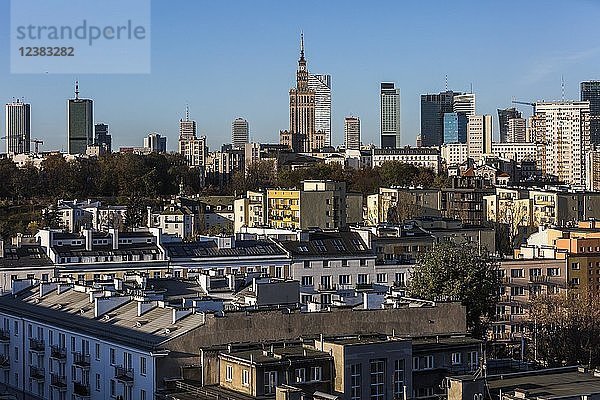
[229, 59]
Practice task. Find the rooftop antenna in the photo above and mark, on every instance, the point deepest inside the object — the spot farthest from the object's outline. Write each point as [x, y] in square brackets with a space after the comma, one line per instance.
[446, 82]
[187, 112]
[301, 45]
[77, 89]
[471, 88]
[562, 87]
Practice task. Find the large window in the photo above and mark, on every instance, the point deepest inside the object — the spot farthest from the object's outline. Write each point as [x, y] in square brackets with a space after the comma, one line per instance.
[229, 373]
[377, 379]
[399, 378]
[270, 381]
[316, 374]
[245, 377]
[300, 375]
[355, 382]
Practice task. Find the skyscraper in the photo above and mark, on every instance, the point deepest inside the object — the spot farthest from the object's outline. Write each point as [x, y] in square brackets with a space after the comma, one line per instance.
[18, 127]
[321, 84]
[503, 117]
[455, 128]
[80, 123]
[590, 91]
[464, 103]
[433, 108]
[563, 129]
[239, 133]
[156, 143]
[192, 148]
[479, 136]
[352, 133]
[102, 138]
[517, 130]
[302, 135]
[390, 115]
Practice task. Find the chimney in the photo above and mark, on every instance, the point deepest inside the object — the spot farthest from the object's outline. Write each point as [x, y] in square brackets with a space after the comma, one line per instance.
[87, 235]
[149, 222]
[18, 240]
[1, 248]
[114, 233]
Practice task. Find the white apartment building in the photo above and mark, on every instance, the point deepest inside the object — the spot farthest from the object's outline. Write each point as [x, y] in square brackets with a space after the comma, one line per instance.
[517, 130]
[516, 151]
[250, 211]
[479, 136]
[563, 128]
[426, 157]
[454, 153]
[352, 133]
[69, 341]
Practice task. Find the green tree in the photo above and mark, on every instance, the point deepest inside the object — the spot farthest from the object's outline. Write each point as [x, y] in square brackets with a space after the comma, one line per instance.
[459, 272]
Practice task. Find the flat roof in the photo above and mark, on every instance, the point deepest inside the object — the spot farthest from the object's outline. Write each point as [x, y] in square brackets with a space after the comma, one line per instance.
[549, 383]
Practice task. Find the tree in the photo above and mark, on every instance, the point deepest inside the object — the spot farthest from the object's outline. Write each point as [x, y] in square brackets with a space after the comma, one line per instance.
[459, 272]
[565, 329]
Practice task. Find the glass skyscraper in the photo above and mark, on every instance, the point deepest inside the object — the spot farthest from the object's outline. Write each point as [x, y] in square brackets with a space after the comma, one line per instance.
[590, 91]
[18, 127]
[433, 108]
[455, 128]
[80, 123]
[390, 116]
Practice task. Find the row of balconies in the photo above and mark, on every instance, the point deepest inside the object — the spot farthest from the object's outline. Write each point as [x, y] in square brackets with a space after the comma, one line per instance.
[80, 389]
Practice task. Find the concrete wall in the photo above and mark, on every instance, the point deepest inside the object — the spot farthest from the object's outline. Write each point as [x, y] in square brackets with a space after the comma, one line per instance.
[280, 325]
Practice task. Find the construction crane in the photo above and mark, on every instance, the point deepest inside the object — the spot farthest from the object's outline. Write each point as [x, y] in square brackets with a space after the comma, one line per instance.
[525, 103]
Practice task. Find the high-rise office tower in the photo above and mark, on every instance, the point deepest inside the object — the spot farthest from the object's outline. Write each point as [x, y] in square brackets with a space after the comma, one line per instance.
[156, 142]
[239, 133]
[464, 103]
[80, 123]
[563, 130]
[302, 135]
[192, 148]
[18, 127]
[390, 115]
[321, 84]
[102, 138]
[352, 133]
[590, 91]
[517, 130]
[503, 116]
[455, 128]
[479, 136]
[433, 108]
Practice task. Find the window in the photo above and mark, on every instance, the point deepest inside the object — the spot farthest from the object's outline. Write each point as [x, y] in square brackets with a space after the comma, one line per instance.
[16, 326]
[320, 246]
[355, 382]
[553, 271]
[575, 281]
[72, 343]
[326, 264]
[270, 381]
[112, 357]
[575, 265]
[98, 382]
[516, 273]
[300, 375]
[97, 351]
[143, 366]
[400, 279]
[381, 278]
[307, 280]
[229, 373]
[362, 279]
[345, 280]
[307, 264]
[142, 394]
[377, 379]
[473, 359]
[399, 378]
[316, 374]
[113, 388]
[245, 377]
[456, 358]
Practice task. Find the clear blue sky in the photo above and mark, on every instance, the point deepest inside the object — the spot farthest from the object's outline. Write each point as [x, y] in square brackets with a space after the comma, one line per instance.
[238, 58]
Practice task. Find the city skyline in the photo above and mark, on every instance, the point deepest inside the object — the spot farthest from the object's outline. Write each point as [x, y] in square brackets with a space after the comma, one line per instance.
[534, 74]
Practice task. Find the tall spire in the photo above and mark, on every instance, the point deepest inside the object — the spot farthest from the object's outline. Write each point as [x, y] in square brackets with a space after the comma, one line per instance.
[301, 45]
[77, 89]
[187, 112]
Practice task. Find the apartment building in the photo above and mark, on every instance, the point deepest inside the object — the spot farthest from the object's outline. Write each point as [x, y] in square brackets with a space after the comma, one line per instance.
[65, 340]
[250, 211]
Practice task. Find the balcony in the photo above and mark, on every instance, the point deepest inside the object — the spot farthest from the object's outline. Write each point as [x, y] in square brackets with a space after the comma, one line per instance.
[4, 362]
[58, 382]
[81, 391]
[4, 336]
[58, 353]
[124, 375]
[81, 360]
[37, 374]
[37, 345]
[326, 287]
